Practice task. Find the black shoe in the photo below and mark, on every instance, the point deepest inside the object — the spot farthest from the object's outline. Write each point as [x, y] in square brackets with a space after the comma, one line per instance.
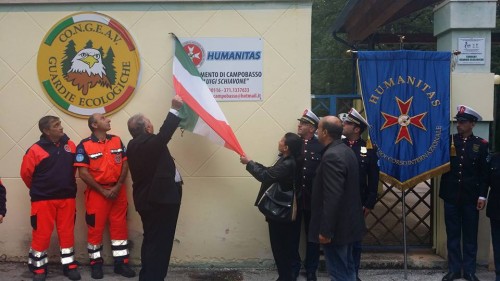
[72, 274]
[450, 276]
[357, 279]
[124, 270]
[96, 271]
[311, 276]
[39, 277]
[471, 277]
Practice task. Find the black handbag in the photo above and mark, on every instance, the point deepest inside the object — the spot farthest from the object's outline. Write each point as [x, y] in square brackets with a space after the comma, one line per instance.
[277, 204]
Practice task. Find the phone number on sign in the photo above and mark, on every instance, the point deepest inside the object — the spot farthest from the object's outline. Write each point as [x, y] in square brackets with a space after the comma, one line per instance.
[230, 90]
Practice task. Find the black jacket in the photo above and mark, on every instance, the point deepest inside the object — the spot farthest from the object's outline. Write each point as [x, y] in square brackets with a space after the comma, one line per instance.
[368, 171]
[493, 208]
[283, 171]
[153, 168]
[336, 205]
[3, 200]
[47, 169]
[467, 178]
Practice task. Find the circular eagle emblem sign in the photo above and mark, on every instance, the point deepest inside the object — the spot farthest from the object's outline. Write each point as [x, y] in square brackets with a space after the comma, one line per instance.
[88, 63]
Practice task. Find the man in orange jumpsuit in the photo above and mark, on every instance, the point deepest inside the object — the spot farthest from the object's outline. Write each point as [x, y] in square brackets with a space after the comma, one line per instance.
[102, 165]
[47, 170]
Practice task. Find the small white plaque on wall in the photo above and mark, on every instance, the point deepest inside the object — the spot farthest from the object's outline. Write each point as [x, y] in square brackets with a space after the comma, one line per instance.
[471, 50]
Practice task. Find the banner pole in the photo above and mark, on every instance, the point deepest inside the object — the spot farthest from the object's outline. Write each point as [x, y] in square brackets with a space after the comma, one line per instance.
[405, 258]
[404, 237]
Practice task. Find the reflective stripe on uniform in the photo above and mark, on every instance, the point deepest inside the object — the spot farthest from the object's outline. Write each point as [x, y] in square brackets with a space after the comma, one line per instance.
[115, 243]
[67, 260]
[38, 263]
[92, 247]
[94, 251]
[119, 248]
[67, 255]
[65, 251]
[95, 255]
[37, 259]
[120, 253]
[37, 254]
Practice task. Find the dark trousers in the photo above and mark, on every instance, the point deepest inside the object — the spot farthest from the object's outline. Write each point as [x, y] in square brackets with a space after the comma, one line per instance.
[495, 240]
[311, 261]
[461, 225]
[159, 229]
[356, 255]
[339, 262]
[282, 239]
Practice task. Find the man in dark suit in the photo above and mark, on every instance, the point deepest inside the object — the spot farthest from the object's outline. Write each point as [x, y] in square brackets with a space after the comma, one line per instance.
[463, 190]
[354, 126]
[157, 189]
[336, 215]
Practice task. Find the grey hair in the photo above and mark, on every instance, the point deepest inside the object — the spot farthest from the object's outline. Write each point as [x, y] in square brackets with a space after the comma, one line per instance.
[45, 122]
[136, 125]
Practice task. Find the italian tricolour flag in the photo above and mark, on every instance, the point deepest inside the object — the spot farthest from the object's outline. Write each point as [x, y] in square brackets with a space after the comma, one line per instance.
[200, 113]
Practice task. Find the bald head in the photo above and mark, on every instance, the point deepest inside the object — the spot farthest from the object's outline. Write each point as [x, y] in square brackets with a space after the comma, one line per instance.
[329, 129]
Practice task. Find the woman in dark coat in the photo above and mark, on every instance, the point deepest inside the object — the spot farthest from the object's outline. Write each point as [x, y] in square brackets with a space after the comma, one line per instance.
[493, 209]
[284, 171]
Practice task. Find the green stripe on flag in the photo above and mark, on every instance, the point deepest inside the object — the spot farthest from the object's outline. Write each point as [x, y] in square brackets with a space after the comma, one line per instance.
[188, 118]
[52, 93]
[184, 59]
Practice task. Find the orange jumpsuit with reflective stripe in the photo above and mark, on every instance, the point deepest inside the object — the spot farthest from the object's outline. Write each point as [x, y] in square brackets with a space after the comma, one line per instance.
[104, 160]
[47, 170]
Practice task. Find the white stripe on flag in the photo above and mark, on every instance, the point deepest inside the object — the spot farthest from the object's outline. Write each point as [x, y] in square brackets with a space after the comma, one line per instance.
[203, 129]
[199, 90]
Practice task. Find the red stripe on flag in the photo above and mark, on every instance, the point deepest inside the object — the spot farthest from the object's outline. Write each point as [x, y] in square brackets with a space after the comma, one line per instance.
[220, 127]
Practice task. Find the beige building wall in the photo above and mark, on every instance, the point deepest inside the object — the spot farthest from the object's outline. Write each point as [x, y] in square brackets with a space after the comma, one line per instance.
[218, 224]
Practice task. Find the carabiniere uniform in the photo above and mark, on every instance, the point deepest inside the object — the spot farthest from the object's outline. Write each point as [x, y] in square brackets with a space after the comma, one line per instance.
[312, 157]
[466, 181]
[368, 171]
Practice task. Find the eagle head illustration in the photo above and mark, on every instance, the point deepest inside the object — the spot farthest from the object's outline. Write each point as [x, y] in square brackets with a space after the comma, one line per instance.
[87, 70]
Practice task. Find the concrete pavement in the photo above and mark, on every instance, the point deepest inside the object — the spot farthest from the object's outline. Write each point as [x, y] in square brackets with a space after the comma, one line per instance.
[19, 272]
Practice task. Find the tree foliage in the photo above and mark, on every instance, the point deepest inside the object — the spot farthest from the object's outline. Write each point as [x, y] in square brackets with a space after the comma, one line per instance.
[331, 67]
[69, 53]
[333, 71]
[109, 61]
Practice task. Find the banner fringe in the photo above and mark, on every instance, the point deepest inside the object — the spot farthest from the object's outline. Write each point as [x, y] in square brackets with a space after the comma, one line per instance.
[411, 183]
